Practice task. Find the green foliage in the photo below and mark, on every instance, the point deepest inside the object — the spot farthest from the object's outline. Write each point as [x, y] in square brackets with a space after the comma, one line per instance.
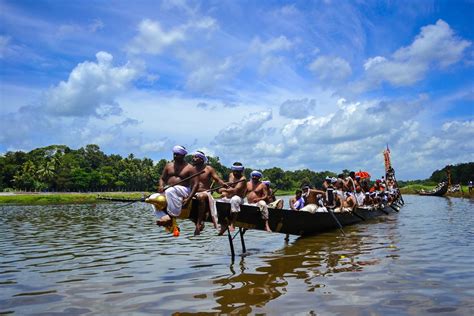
[59, 168]
[460, 173]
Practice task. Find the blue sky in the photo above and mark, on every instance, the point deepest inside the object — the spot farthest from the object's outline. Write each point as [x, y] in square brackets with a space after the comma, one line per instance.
[323, 85]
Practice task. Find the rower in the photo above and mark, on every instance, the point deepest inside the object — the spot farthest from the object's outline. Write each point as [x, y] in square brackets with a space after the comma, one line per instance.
[234, 193]
[177, 195]
[257, 193]
[272, 201]
[310, 197]
[206, 203]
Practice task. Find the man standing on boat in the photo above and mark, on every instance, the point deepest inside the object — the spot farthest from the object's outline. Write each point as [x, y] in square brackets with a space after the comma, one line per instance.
[204, 195]
[234, 194]
[177, 195]
[257, 193]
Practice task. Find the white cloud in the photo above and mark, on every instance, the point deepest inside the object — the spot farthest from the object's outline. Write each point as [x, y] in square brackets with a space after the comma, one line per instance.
[248, 131]
[154, 146]
[208, 77]
[333, 69]
[297, 108]
[152, 39]
[435, 47]
[276, 44]
[91, 88]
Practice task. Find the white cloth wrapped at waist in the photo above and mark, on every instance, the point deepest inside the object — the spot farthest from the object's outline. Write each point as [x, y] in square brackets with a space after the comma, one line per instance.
[235, 203]
[212, 204]
[174, 199]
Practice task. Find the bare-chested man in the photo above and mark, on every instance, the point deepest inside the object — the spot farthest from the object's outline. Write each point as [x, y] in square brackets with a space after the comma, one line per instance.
[310, 197]
[235, 194]
[257, 193]
[203, 194]
[179, 194]
[272, 201]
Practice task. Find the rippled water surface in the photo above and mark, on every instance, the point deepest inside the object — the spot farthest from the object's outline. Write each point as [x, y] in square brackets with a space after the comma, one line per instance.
[86, 259]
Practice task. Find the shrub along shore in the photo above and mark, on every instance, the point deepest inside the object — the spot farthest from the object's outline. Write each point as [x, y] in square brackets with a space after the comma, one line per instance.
[48, 198]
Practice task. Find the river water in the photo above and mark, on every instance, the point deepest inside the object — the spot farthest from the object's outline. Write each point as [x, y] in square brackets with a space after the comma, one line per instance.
[100, 259]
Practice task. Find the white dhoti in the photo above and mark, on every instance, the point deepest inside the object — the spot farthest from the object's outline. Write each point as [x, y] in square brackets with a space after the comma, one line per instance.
[275, 203]
[262, 205]
[212, 205]
[311, 208]
[235, 203]
[174, 199]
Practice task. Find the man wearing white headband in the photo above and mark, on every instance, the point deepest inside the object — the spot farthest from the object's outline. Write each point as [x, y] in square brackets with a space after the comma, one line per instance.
[257, 193]
[235, 194]
[178, 195]
[207, 204]
[272, 201]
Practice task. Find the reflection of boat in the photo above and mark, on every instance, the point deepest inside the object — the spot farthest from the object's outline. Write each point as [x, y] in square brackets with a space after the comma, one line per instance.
[307, 263]
[289, 221]
[439, 190]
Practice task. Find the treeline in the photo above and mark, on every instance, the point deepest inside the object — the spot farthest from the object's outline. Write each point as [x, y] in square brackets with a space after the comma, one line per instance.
[62, 169]
[460, 174]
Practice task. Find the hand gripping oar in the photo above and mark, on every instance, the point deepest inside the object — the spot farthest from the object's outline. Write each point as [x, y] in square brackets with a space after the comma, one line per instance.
[227, 183]
[165, 188]
[184, 180]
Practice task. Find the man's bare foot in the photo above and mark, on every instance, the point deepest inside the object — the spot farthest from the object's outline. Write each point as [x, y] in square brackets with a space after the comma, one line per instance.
[222, 231]
[164, 221]
[231, 228]
[267, 228]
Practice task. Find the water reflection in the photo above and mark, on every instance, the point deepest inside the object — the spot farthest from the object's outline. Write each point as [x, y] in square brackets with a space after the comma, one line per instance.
[309, 259]
[103, 260]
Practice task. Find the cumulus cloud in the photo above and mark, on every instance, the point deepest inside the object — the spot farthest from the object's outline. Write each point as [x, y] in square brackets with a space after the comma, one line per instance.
[248, 131]
[353, 121]
[297, 109]
[153, 39]
[91, 88]
[333, 69]
[435, 47]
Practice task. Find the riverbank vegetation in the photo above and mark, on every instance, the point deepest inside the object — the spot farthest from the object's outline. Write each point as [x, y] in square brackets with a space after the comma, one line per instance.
[60, 169]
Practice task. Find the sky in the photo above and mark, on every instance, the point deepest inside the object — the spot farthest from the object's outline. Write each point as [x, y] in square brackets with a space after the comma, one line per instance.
[323, 85]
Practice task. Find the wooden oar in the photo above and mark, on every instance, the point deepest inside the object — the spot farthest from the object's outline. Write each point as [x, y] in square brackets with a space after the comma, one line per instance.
[336, 220]
[382, 210]
[184, 180]
[394, 208]
[165, 188]
[227, 183]
[358, 215]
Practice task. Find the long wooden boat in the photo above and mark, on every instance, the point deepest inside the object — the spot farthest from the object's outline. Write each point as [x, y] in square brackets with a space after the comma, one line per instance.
[289, 221]
[440, 190]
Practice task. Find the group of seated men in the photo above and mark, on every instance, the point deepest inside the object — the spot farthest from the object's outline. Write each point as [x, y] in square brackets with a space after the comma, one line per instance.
[344, 194]
[182, 181]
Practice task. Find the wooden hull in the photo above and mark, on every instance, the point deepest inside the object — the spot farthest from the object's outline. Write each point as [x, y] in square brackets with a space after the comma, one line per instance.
[288, 221]
[442, 191]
